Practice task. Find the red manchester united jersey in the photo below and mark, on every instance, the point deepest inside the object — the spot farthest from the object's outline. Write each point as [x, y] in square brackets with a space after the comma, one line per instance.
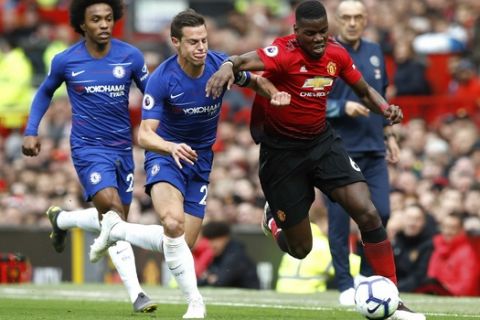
[308, 81]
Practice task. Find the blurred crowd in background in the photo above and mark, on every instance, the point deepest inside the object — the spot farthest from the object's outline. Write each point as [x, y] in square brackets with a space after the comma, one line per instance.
[439, 167]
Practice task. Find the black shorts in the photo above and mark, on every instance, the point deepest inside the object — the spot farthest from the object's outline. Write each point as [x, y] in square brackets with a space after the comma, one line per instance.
[289, 175]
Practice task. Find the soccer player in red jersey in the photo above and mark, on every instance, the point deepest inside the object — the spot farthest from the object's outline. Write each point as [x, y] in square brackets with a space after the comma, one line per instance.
[299, 150]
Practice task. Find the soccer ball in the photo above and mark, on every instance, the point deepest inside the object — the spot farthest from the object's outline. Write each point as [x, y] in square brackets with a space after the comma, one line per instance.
[376, 297]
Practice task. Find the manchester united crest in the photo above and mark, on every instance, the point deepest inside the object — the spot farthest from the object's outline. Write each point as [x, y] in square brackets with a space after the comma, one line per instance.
[331, 68]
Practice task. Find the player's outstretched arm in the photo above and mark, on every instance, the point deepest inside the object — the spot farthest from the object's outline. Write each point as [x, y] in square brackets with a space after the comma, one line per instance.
[264, 87]
[375, 102]
[151, 141]
[225, 76]
[31, 142]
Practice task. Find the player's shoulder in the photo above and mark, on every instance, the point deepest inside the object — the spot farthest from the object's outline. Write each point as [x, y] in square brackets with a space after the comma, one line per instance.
[165, 68]
[124, 46]
[216, 58]
[286, 45]
[335, 50]
[287, 40]
[334, 45]
[69, 53]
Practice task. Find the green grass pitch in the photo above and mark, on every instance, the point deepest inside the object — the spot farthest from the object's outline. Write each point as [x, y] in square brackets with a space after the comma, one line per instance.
[98, 302]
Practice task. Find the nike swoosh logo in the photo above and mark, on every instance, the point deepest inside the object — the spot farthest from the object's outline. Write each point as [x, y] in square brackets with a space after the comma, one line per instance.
[74, 74]
[120, 251]
[176, 96]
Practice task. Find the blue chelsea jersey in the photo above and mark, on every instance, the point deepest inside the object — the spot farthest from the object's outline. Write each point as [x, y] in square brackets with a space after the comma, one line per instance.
[98, 90]
[179, 103]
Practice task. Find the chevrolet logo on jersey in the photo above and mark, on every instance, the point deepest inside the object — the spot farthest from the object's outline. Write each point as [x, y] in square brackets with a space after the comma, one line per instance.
[318, 83]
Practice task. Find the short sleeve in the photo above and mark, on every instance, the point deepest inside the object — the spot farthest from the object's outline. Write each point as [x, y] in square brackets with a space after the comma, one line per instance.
[273, 58]
[154, 97]
[348, 71]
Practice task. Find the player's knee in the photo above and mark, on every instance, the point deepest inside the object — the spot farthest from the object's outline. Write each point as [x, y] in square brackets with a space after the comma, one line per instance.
[173, 226]
[369, 220]
[300, 250]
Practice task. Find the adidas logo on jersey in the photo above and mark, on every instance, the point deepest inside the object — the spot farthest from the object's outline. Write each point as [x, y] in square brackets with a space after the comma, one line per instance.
[303, 69]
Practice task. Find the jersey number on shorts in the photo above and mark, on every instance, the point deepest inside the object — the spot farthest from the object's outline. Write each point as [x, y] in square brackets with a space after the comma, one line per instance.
[204, 189]
[130, 180]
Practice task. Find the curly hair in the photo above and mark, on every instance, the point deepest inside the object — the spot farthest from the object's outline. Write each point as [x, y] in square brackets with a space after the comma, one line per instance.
[78, 7]
[310, 9]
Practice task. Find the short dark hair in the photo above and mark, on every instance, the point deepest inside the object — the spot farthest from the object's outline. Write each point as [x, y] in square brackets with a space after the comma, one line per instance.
[186, 18]
[310, 10]
[215, 229]
[78, 7]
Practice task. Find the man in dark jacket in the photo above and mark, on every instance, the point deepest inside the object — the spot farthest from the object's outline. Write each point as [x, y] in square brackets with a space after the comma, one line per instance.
[231, 266]
[412, 248]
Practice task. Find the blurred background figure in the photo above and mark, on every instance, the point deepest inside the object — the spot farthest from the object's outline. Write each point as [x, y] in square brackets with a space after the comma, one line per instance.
[453, 268]
[231, 266]
[314, 273]
[412, 247]
[410, 77]
[465, 81]
[16, 89]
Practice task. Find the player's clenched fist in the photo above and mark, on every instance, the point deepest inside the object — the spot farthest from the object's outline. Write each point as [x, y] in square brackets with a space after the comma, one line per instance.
[280, 99]
[394, 114]
[31, 146]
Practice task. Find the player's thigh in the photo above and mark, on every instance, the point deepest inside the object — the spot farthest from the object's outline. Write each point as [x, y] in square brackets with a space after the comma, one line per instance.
[168, 203]
[95, 172]
[287, 188]
[335, 169]
[125, 169]
[196, 192]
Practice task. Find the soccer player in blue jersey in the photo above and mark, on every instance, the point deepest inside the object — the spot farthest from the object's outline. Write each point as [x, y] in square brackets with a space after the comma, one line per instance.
[363, 134]
[98, 72]
[178, 129]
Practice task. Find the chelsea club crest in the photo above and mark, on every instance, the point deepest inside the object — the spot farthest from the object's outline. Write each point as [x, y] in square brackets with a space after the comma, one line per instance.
[119, 72]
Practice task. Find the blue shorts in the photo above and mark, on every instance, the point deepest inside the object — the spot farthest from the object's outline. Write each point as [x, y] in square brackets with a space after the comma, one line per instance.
[100, 169]
[192, 181]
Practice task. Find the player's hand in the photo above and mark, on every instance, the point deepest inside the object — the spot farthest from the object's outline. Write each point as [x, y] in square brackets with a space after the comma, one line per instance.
[355, 109]
[183, 152]
[280, 99]
[216, 83]
[31, 146]
[394, 114]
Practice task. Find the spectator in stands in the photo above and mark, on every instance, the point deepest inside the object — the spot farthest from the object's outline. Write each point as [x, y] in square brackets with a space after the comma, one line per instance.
[463, 137]
[453, 268]
[462, 175]
[465, 83]
[412, 247]
[15, 84]
[410, 75]
[231, 266]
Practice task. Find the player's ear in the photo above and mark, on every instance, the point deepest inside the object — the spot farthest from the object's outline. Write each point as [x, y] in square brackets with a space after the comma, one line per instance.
[175, 42]
[82, 26]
